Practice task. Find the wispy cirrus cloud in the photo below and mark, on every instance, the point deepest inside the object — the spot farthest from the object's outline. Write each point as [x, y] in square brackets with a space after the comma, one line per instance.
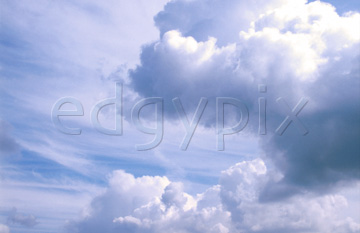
[8, 145]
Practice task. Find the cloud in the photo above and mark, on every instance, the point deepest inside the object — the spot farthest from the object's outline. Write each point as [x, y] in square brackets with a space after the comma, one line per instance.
[34, 195]
[8, 145]
[86, 24]
[125, 193]
[154, 204]
[220, 19]
[4, 229]
[207, 48]
[241, 187]
[297, 49]
[91, 46]
[21, 219]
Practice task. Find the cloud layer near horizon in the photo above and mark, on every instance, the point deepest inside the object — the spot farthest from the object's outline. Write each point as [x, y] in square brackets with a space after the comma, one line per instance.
[154, 204]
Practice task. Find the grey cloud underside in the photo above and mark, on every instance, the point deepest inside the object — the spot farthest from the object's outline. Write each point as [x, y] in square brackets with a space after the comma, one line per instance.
[291, 55]
[330, 152]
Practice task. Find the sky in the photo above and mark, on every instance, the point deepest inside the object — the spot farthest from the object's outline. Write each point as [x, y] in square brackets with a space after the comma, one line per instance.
[181, 116]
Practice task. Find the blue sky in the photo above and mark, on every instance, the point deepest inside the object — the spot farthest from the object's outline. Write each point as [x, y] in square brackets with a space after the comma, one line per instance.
[93, 182]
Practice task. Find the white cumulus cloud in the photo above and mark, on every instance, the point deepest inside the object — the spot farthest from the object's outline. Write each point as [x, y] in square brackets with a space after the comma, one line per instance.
[154, 204]
[298, 49]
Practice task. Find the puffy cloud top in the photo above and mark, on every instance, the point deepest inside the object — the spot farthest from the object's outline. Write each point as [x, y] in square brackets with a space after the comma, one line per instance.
[231, 206]
[297, 49]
